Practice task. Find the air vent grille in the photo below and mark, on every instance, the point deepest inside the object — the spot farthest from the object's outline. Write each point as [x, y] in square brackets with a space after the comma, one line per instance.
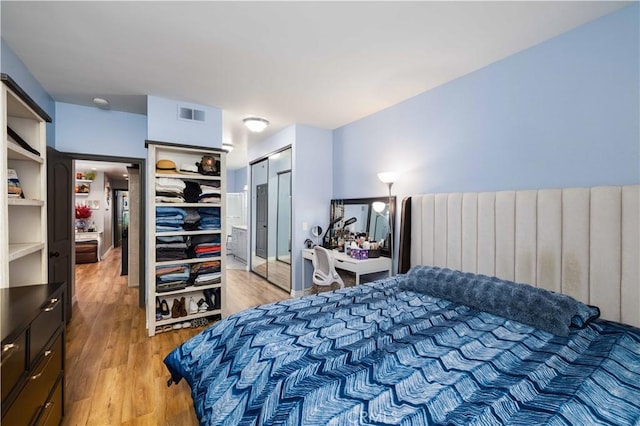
[190, 114]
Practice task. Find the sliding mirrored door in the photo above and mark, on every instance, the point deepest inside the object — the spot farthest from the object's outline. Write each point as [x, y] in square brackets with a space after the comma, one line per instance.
[271, 218]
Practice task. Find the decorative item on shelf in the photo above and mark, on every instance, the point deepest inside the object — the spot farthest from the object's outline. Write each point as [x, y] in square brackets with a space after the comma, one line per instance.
[83, 188]
[209, 166]
[90, 175]
[83, 212]
[13, 185]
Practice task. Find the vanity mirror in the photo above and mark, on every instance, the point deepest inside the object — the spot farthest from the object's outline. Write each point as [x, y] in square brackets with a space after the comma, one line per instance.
[372, 219]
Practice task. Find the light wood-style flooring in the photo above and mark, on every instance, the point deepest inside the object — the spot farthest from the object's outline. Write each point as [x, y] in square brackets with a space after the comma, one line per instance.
[114, 371]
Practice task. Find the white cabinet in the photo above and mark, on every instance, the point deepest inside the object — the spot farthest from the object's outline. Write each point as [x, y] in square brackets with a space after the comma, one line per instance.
[23, 217]
[186, 234]
[239, 242]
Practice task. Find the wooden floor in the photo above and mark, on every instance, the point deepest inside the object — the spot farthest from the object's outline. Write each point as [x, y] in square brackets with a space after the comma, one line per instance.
[114, 372]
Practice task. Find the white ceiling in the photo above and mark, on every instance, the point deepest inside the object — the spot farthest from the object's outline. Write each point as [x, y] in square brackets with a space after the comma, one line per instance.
[324, 64]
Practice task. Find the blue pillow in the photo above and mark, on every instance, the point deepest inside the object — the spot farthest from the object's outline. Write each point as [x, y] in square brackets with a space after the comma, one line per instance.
[537, 307]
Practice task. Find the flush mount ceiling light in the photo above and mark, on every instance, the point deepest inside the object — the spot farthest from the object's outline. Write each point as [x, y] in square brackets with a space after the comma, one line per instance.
[227, 147]
[101, 102]
[255, 124]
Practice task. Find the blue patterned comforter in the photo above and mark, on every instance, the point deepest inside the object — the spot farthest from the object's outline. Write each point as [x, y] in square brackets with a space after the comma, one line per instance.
[378, 354]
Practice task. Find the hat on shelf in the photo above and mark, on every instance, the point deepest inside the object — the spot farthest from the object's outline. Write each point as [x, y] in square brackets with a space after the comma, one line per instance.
[165, 166]
[188, 168]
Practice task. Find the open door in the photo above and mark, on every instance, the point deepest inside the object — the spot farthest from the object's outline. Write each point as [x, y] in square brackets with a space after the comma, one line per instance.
[59, 221]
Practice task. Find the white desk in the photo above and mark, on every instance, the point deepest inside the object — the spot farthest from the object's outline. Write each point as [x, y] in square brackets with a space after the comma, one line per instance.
[342, 261]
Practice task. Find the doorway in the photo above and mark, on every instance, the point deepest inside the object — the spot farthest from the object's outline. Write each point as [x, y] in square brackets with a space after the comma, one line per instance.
[270, 239]
[113, 188]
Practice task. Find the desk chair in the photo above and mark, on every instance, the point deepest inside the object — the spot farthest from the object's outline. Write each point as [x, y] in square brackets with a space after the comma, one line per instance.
[324, 270]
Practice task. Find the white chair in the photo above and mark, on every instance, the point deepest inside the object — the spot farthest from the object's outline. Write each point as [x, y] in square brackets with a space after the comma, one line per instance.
[324, 270]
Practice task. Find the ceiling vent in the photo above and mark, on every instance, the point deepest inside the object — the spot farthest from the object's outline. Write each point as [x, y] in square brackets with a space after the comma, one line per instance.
[190, 114]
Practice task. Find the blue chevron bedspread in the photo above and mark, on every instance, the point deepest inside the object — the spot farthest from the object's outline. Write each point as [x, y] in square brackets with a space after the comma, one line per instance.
[380, 354]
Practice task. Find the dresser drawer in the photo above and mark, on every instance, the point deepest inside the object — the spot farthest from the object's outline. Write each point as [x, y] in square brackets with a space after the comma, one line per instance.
[14, 362]
[51, 413]
[39, 385]
[45, 326]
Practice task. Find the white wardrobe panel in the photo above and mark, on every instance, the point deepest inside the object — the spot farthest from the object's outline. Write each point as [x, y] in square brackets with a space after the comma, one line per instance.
[526, 241]
[417, 244]
[630, 280]
[505, 234]
[440, 231]
[454, 231]
[470, 232]
[549, 258]
[487, 233]
[604, 273]
[575, 243]
[428, 228]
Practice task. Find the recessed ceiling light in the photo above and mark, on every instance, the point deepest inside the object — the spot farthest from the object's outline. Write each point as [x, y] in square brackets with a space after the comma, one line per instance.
[101, 102]
[255, 124]
[227, 147]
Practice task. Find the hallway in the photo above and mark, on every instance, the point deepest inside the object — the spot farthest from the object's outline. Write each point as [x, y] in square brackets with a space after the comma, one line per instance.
[114, 372]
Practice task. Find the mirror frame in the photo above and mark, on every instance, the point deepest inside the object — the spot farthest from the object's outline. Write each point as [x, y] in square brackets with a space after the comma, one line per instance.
[368, 201]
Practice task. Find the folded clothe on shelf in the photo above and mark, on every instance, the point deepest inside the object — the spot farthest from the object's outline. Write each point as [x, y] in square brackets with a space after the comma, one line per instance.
[168, 211]
[172, 273]
[170, 286]
[205, 238]
[206, 273]
[170, 185]
[170, 239]
[207, 250]
[168, 198]
[191, 191]
[207, 279]
[170, 253]
[210, 194]
[191, 220]
[209, 218]
[169, 228]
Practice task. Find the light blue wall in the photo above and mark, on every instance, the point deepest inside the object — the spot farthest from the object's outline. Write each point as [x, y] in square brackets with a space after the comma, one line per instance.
[311, 191]
[11, 65]
[560, 114]
[240, 179]
[89, 130]
[163, 123]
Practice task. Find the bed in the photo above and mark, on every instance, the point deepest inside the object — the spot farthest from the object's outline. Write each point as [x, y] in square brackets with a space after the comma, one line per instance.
[444, 342]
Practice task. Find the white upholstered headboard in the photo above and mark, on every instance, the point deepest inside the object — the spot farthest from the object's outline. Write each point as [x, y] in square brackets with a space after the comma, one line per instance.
[583, 242]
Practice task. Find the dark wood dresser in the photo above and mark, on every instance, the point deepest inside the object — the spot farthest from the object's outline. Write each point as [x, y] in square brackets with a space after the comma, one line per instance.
[33, 354]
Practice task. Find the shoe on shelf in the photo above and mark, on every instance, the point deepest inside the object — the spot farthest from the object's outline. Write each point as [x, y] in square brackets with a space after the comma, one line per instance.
[164, 309]
[183, 309]
[193, 306]
[158, 307]
[177, 326]
[167, 328]
[203, 307]
[159, 330]
[186, 324]
[208, 294]
[175, 309]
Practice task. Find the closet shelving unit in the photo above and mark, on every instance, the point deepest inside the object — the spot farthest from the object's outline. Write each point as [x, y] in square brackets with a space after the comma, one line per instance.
[23, 249]
[183, 154]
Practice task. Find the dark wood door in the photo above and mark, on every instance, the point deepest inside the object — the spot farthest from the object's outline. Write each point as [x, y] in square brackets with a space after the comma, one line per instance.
[262, 217]
[60, 237]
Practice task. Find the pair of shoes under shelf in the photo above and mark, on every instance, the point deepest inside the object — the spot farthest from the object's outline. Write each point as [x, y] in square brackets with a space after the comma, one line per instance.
[199, 322]
[179, 325]
[178, 309]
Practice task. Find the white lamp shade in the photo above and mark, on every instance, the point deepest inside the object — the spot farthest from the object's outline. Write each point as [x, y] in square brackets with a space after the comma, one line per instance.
[378, 206]
[255, 124]
[388, 177]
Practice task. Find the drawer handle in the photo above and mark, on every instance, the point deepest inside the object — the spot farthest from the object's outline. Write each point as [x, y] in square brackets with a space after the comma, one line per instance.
[52, 305]
[46, 412]
[48, 357]
[8, 350]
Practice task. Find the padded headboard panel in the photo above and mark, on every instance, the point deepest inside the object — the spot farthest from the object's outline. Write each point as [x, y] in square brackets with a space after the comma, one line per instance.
[584, 242]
